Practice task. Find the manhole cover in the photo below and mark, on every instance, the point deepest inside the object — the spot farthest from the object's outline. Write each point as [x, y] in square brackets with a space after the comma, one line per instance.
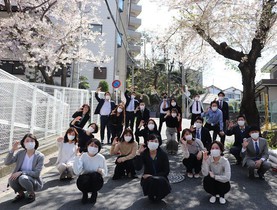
[175, 178]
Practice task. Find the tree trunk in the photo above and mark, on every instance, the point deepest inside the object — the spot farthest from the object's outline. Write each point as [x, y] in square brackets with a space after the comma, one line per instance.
[63, 76]
[248, 104]
[48, 79]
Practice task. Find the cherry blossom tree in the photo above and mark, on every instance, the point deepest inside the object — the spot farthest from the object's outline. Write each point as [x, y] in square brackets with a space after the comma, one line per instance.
[239, 30]
[48, 35]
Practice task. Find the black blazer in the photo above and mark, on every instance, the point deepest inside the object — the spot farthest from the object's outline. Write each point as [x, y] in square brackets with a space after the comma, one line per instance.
[142, 116]
[146, 132]
[158, 168]
[167, 101]
[239, 136]
[83, 121]
[128, 99]
[100, 104]
[225, 110]
[205, 137]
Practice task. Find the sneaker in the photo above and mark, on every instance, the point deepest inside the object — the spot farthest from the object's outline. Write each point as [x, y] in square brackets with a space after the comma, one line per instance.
[18, 198]
[212, 199]
[190, 175]
[222, 200]
[217, 196]
[196, 176]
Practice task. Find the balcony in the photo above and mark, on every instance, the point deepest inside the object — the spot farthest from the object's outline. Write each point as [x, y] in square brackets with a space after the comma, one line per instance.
[134, 23]
[135, 10]
[134, 50]
[134, 36]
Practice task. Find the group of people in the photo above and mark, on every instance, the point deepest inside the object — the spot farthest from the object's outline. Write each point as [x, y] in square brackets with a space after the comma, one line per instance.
[79, 151]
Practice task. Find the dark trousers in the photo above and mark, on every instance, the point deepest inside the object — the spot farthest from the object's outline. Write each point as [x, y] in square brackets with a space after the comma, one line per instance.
[116, 130]
[214, 128]
[222, 138]
[104, 122]
[214, 187]
[130, 119]
[236, 150]
[193, 117]
[155, 187]
[91, 182]
[121, 169]
[162, 120]
[192, 163]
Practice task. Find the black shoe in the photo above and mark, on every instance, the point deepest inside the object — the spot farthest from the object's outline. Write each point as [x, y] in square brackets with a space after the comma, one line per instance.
[261, 176]
[18, 198]
[85, 198]
[93, 197]
[31, 198]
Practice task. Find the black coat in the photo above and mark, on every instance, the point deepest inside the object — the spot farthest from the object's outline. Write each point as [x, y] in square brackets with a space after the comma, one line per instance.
[83, 138]
[84, 119]
[145, 115]
[101, 101]
[205, 137]
[239, 136]
[128, 99]
[225, 110]
[179, 109]
[146, 132]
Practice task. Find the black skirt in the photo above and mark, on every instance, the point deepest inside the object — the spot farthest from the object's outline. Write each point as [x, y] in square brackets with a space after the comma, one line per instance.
[91, 182]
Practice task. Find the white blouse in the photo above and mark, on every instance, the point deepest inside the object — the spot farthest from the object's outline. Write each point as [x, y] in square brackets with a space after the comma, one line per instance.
[27, 164]
[67, 152]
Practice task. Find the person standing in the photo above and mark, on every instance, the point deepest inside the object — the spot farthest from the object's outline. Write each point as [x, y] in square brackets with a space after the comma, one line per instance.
[241, 131]
[154, 181]
[117, 120]
[84, 113]
[142, 116]
[214, 119]
[163, 105]
[91, 167]
[131, 104]
[104, 108]
[255, 153]
[196, 109]
[28, 165]
[224, 107]
[217, 173]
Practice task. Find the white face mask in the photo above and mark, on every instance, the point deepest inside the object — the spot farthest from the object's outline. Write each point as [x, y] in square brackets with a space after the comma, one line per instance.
[91, 129]
[30, 145]
[119, 110]
[198, 125]
[255, 135]
[107, 97]
[220, 98]
[133, 96]
[151, 126]
[141, 107]
[215, 152]
[188, 137]
[92, 150]
[153, 145]
[196, 98]
[70, 137]
[214, 108]
[127, 138]
[173, 104]
[174, 115]
[241, 122]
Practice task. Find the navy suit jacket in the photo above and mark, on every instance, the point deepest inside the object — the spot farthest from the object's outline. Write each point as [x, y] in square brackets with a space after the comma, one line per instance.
[128, 99]
[100, 104]
[239, 136]
[205, 137]
[225, 110]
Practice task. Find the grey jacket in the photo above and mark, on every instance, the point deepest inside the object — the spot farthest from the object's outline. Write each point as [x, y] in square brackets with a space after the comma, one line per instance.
[18, 159]
[250, 152]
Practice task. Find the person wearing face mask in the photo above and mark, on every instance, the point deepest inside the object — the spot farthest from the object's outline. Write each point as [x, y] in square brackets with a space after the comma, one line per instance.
[104, 108]
[126, 147]
[131, 104]
[217, 173]
[91, 167]
[146, 130]
[202, 133]
[192, 151]
[28, 165]
[164, 104]
[224, 107]
[67, 151]
[84, 113]
[240, 131]
[142, 116]
[155, 162]
[172, 125]
[196, 108]
[214, 119]
[117, 120]
[255, 153]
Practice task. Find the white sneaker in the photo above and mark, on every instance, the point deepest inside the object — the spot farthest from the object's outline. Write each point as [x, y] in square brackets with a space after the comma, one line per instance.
[190, 175]
[212, 199]
[196, 176]
[217, 196]
[222, 200]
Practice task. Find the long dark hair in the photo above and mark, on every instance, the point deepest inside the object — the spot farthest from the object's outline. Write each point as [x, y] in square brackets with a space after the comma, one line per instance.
[127, 130]
[69, 130]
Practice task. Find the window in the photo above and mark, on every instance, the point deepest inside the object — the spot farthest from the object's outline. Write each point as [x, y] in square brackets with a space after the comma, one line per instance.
[119, 40]
[96, 28]
[100, 73]
[120, 5]
[13, 67]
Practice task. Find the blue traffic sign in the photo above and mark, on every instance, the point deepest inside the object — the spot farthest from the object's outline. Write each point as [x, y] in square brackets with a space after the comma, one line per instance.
[116, 84]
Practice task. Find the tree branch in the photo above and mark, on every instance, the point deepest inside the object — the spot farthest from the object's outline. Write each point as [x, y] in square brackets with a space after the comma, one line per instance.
[222, 48]
[50, 5]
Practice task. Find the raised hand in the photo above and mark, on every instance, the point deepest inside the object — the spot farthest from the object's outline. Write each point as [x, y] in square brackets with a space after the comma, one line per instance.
[205, 155]
[15, 145]
[142, 148]
[245, 143]
[60, 139]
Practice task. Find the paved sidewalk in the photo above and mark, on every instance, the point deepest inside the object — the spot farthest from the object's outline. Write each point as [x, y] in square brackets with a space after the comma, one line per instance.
[127, 194]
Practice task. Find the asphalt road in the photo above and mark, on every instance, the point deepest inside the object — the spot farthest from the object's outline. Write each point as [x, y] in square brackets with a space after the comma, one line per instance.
[127, 193]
